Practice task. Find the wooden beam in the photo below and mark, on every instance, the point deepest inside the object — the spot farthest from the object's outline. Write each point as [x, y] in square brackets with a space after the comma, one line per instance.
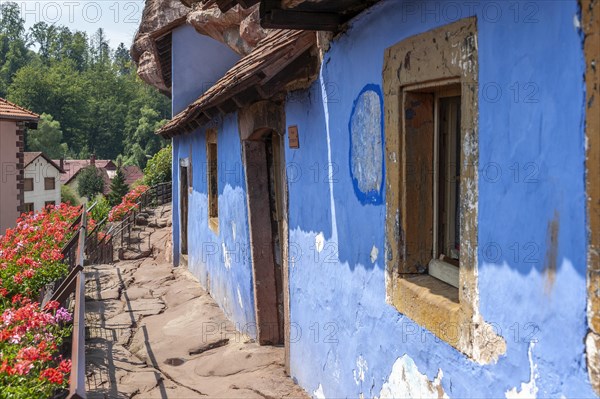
[237, 102]
[301, 20]
[304, 67]
[221, 109]
[264, 94]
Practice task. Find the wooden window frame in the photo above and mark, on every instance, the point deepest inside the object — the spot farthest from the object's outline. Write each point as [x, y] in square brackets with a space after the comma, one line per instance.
[212, 173]
[429, 62]
[590, 11]
[47, 180]
[28, 179]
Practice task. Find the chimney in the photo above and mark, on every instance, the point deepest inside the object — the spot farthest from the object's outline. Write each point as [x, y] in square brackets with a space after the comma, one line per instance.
[62, 164]
[93, 159]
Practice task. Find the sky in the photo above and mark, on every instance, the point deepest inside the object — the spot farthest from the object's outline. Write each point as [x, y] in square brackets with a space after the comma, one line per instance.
[119, 18]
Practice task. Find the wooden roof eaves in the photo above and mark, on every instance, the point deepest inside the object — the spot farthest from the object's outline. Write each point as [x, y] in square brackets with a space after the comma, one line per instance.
[256, 69]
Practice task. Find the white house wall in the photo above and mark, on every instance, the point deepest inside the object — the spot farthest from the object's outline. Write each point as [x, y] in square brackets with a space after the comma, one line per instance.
[39, 170]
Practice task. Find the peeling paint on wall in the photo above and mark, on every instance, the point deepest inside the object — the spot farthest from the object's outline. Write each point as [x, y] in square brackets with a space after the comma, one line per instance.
[319, 242]
[374, 254]
[528, 389]
[359, 371]
[239, 295]
[226, 256]
[406, 381]
[318, 393]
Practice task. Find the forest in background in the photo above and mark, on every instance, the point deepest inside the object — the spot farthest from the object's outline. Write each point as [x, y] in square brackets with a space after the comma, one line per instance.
[89, 94]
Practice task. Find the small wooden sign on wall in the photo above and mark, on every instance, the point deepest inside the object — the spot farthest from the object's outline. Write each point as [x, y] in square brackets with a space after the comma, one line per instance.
[294, 141]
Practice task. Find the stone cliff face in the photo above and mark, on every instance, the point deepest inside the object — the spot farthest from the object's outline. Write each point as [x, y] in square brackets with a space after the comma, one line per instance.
[238, 28]
[157, 15]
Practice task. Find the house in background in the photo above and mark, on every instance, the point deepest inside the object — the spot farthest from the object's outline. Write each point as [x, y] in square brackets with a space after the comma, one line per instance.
[14, 121]
[41, 183]
[407, 200]
[132, 174]
[72, 167]
[107, 168]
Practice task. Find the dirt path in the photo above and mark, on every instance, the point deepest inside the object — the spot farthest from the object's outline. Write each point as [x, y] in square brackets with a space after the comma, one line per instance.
[155, 333]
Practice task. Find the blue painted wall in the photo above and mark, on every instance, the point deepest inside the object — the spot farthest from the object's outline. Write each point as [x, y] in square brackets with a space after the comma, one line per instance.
[346, 339]
[198, 61]
[221, 261]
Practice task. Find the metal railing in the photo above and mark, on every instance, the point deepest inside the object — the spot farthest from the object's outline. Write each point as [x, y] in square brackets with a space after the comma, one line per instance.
[98, 247]
[77, 381]
[60, 291]
[120, 235]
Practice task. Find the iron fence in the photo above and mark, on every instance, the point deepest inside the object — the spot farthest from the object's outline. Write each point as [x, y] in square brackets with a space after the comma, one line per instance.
[98, 247]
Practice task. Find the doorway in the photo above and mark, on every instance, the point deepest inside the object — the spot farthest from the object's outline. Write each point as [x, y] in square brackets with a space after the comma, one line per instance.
[267, 214]
[183, 206]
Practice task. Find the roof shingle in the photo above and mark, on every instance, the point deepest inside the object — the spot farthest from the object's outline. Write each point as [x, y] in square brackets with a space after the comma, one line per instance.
[12, 111]
[73, 166]
[29, 157]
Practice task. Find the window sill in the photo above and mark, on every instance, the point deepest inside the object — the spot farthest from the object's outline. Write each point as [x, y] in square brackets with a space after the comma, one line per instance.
[444, 271]
[432, 304]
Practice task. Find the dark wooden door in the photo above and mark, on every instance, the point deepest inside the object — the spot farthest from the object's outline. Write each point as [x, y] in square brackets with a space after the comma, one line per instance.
[183, 208]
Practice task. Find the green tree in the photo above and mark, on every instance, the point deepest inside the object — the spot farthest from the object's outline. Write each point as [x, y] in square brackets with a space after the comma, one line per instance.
[13, 46]
[68, 196]
[118, 188]
[44, 36]
[47, 138]
[122, 59]
[143, 142]
[102, 208]
[11, 23]
[158, 169]
[59, 90]
[90, 182]
[93, 91]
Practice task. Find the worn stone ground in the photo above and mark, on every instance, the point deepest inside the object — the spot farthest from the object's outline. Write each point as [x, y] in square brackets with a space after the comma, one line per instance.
[153, 332]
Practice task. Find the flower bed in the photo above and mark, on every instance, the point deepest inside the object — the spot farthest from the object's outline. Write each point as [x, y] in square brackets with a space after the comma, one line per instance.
[128, 204]
[31, 337]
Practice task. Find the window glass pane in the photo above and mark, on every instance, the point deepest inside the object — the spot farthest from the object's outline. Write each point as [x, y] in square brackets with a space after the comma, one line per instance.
[49, 183]
[28, 184]
[449, 177]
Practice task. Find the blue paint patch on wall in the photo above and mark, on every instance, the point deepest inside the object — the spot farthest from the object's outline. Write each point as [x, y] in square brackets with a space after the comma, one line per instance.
[366, 145]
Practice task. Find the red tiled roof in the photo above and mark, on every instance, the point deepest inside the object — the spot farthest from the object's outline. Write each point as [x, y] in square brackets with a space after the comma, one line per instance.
[73, 166]
[12, 111]
[132, 174]
[29, 157]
